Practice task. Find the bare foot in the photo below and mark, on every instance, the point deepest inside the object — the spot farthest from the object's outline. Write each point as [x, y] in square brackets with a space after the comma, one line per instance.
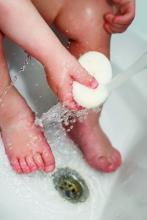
[24, 142]
[94, 144]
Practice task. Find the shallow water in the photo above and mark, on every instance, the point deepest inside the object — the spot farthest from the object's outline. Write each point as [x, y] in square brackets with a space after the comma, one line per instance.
[39, 189]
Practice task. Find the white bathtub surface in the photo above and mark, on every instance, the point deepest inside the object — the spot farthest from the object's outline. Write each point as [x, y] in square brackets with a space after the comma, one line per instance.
[121, 195]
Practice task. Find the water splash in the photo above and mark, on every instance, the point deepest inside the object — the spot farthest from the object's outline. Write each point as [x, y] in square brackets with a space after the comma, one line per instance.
[58, 114]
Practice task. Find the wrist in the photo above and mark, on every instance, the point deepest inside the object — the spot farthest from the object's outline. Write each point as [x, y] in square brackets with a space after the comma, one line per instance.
[59, 60]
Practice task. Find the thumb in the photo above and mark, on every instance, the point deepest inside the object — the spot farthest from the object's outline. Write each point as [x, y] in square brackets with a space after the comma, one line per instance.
[85, 78]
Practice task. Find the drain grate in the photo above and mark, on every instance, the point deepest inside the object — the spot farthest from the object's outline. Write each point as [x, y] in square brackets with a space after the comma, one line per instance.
[70, 185]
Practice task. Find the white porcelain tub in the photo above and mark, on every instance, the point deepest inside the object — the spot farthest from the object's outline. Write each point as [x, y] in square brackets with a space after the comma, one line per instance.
[121, 195]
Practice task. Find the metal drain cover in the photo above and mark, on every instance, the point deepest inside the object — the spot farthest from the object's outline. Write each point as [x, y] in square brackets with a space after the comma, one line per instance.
[70, 185]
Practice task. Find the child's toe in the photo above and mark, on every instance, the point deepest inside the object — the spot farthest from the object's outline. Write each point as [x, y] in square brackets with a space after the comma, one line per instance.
[113, 162]
[100, 163]
[16, 166]
[31, 163]
[103, 164]
[49, 161]
[39, 161]
[106, 163]
[25, 168]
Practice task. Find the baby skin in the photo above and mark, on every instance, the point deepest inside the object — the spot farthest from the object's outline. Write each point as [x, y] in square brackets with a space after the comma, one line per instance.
[88, 24]
[24, 143]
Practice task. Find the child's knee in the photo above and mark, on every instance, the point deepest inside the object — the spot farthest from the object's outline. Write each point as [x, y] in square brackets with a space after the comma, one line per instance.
[83, 21]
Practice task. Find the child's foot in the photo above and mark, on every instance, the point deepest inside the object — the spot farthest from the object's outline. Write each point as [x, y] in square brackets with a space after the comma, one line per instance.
[24, 142]
[95, 146]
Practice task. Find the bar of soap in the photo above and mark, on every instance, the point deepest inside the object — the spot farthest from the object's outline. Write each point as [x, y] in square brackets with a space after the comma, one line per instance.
[98, 65]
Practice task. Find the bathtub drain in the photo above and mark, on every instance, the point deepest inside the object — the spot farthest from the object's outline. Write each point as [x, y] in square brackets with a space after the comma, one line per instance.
[70, 185]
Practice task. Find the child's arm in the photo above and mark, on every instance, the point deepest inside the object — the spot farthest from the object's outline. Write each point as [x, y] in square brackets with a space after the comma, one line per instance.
[123, 16]
[21, 22]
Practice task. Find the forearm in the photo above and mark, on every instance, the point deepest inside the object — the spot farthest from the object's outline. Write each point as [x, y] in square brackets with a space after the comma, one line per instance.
[21, 22]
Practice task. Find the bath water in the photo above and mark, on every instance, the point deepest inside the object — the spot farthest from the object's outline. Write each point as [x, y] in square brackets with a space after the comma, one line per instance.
[37, 190]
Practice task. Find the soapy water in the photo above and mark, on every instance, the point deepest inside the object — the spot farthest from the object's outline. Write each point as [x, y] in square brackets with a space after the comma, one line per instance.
[38, 189]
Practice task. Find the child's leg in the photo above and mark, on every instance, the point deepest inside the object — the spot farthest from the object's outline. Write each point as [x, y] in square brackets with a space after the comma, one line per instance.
[82, 22]
[24, 142]
[21, 22]
[17, 19]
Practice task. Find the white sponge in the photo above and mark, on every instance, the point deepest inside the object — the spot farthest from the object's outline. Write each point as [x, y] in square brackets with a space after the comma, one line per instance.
[98, 66]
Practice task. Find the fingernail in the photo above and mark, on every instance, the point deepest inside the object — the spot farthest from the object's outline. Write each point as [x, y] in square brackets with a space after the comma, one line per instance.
[94, 84]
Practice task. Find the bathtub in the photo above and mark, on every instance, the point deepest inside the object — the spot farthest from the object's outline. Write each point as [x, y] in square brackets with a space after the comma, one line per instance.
[121, 195]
